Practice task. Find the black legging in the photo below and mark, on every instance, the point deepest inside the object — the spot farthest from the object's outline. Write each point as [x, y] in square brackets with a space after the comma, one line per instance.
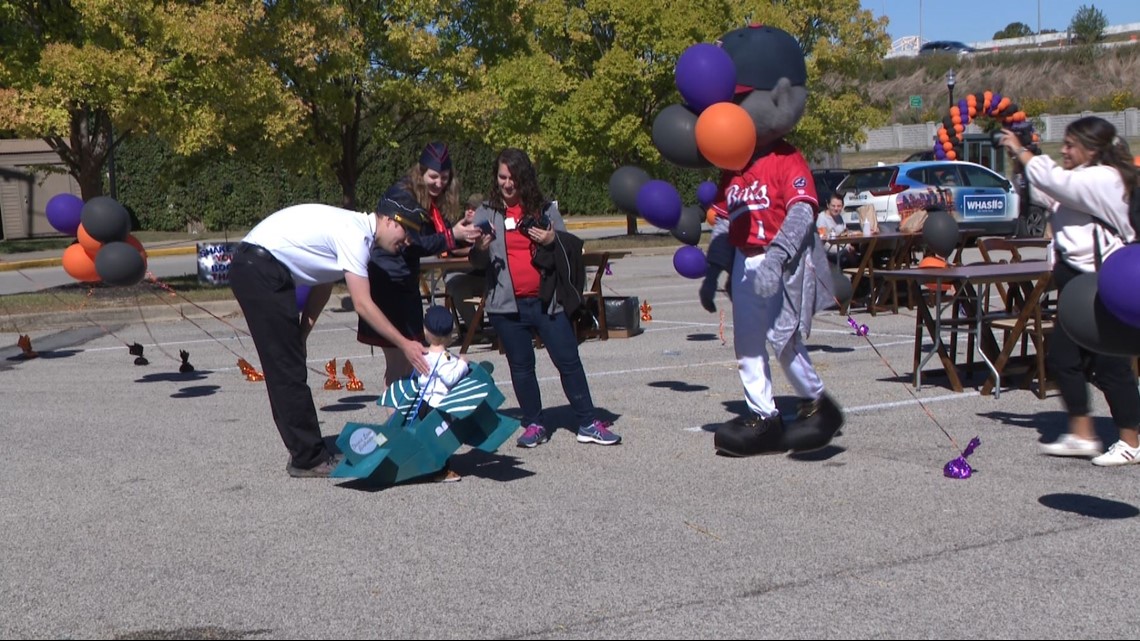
[1074, 365]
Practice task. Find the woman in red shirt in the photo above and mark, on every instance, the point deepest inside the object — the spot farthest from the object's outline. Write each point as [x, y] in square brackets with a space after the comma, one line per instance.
[522, 224]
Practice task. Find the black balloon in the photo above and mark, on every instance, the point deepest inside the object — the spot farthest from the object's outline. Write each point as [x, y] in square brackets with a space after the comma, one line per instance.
[675, 136]
[1088, 322]
[119, 263]
[625, 183]
[105, 219]
[841, 286]
[688, 229]
[940, 231]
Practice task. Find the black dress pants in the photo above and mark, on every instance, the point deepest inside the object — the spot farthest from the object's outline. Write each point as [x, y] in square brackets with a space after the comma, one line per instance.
[1075, 366]
[265, 291]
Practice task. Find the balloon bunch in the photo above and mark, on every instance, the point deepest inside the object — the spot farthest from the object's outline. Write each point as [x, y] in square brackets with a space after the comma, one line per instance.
[948, 138]
[105, 249]
[709, 129]
[1100, 310]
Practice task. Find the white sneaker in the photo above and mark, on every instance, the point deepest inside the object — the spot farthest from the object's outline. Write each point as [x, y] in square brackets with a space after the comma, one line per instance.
[1069, 445]
[1119, 453]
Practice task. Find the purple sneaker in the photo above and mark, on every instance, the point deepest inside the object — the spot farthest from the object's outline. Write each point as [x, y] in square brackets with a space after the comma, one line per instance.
[598, 432]
[533, 436]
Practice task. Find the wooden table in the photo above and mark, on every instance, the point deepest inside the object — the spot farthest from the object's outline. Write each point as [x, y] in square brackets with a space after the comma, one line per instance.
[434, 268]
[900, 244]
[965, 279]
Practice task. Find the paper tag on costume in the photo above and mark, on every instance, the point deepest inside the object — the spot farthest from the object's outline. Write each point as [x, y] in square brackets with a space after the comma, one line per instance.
[510, 224]
[363, 441]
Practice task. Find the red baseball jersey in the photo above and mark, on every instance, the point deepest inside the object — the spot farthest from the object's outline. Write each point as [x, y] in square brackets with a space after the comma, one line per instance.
[756, 200]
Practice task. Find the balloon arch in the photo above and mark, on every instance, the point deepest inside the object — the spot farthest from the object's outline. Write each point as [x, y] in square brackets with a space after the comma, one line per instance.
[988, 104]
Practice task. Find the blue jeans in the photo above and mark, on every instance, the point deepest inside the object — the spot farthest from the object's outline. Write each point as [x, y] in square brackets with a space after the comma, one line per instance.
[561, 342]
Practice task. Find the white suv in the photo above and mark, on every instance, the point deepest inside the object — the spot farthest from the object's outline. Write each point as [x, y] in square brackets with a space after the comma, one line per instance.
[978, 197]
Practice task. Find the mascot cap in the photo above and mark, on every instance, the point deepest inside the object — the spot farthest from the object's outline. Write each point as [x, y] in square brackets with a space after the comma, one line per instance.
[762, 55]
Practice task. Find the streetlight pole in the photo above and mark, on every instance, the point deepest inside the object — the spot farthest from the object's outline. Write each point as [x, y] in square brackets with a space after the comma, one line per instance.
[950, 78]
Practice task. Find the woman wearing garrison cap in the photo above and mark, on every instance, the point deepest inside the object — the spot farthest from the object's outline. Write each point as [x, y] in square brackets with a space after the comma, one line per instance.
[429, 192]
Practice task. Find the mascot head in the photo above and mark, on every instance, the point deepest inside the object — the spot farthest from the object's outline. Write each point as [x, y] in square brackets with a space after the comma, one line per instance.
[771, 79]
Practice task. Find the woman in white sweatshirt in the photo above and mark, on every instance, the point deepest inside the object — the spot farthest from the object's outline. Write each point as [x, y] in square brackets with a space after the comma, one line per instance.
[1088, 196]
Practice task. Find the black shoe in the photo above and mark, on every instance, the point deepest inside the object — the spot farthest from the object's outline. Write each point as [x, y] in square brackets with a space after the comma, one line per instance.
[817, 422]
[320, 471]
[750, 435]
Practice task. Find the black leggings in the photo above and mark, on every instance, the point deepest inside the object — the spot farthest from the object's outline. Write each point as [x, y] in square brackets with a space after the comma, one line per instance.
[1074, 366]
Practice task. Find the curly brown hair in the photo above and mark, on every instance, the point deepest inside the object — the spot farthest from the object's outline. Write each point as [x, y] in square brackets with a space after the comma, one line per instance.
[526, 182]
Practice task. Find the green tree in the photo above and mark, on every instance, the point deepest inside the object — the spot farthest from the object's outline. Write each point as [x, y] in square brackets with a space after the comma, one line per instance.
[370, 78]
[578, 83]
[85, 74]
[1014, 30]
[1088, 24]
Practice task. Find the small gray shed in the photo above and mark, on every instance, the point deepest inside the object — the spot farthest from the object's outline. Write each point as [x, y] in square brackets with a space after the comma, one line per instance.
[25, 188]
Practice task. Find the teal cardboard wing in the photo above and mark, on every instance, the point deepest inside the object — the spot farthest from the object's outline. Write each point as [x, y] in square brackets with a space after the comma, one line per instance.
[403, 449]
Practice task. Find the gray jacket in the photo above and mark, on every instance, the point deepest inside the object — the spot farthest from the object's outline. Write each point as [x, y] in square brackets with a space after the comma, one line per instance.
[500, 288]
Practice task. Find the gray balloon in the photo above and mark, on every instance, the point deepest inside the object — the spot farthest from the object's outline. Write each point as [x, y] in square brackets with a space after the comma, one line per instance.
[841, 286]
[688, 229]
[675, 136]
[624, 185]
[1085, 319]
[105, 219]
[119, 263]
[940, 231]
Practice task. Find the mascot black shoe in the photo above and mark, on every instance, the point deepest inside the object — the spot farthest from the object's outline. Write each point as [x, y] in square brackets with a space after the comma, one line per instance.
[750, 435]
[817, 422]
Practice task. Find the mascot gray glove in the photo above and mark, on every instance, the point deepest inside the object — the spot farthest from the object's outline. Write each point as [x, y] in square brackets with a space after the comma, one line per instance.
[719, 257]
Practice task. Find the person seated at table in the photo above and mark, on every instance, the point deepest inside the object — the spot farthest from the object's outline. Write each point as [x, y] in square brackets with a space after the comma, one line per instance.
[464, 286]
[831, 225]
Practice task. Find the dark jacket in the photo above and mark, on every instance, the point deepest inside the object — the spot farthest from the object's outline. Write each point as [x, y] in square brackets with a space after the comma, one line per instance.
[563, 272]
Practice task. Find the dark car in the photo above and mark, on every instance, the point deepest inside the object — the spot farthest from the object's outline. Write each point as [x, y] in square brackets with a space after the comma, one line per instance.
[919, 156]
[945, 46]
[826, 180]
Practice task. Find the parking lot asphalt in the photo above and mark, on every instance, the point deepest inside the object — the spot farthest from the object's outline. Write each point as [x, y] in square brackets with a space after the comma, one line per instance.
[139, 502]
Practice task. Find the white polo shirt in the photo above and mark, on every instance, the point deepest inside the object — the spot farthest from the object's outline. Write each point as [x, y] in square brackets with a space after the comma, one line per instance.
[317, 243]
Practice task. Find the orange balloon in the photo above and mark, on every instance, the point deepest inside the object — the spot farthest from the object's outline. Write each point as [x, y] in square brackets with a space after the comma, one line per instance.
[952, 155]
[89, 244]
[1136, 160]
[726, 136]
[79, 264]
[710, 217]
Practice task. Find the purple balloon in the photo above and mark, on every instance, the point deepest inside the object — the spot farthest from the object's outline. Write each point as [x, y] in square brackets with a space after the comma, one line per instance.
[690, 262]
[705, 75]
[706, 193]
[994, 103]
[964, 110]
[302, 296]
[939, 152]
[64, 212]
[1115, 282]
[659, 203]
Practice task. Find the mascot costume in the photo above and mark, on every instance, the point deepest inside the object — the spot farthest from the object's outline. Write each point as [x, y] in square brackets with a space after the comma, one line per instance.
[765, 239]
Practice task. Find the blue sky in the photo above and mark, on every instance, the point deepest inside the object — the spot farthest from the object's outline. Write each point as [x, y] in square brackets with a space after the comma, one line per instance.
[967, 22]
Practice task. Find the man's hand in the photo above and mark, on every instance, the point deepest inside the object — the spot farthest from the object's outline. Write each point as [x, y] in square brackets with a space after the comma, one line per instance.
[414, 352]
[708, 290]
